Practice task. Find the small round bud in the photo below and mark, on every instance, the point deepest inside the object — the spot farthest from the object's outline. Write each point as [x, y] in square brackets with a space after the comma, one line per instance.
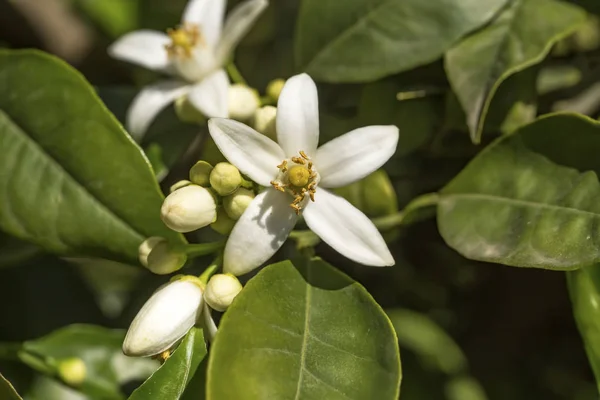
[221, 290]
[165, 318]
[299, 175]
[379, 196]
[189, 208]
[200, 173]
[165, 258]
[243, 102]
[235, 204]
[225, 178]
[72, 371]
[224, 224]
[186, 112]
[264, 121]
[274, 88]
[179, 184]
[146, 247]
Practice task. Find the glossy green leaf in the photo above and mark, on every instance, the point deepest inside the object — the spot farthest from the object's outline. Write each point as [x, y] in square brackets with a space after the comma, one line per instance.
[99, 348]
[522, 202]
[520, 36]
[116, 17]
[7, 391]
[359, 40]
[306, 332]
[170, 380]
[72, 180]
[584, 290]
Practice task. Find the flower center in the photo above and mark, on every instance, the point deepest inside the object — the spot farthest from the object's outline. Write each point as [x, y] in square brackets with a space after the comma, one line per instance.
[298, 177]
[183, 40]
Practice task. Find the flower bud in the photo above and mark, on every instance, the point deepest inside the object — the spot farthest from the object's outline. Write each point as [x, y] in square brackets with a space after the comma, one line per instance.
[179, 184]
[200, 173]
[165, 258]
[224, 224]
[186, 112]
[225, 178]
[146, 247]
[243, 102]
[221, 290]
[264, 121]
[379, 195]
[72, 371]
[274, 88]
[189, 208]
[165, 318]
[235, 204]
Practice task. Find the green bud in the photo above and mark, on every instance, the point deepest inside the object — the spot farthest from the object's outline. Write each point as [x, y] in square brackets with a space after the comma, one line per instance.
[72, 371]
[200, 173]
[264, 121]
[274, 88]
[189, 208]
[221, 290]
[186, 112]
[224, 224]
[235, 204]
[379, 195]
[243, 102]
[225, 178]
[179, 184]
[587, 37]
[146, 247]
[166, 258]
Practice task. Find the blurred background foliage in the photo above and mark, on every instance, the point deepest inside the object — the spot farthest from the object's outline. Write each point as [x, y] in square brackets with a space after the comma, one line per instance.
[467, 330]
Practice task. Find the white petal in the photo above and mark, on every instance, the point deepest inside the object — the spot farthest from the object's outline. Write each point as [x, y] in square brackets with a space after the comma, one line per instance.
[298, 116]
[260, 232]
[209, 324]
[211, 95]
[254, 154]
[356, 154]
[346, 229]
[164, 319]
[144, 47]
[238, 23]
[209, 15]
[149, 102]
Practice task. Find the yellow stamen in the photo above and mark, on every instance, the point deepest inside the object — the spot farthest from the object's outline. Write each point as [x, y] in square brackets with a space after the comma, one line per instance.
[183, 40]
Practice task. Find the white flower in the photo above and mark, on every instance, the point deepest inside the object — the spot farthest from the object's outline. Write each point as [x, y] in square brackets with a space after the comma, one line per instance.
[298, 172]
[193, 54]
[165, 318]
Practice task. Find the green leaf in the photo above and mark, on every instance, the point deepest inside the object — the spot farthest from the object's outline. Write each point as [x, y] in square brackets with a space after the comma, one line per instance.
[99, 348]
[520, 36]
[307, 332]
[7, 391]
[584, 290]
[359, 40]
[73, 181]
[170, 380]
[116, 17]
[521, 202]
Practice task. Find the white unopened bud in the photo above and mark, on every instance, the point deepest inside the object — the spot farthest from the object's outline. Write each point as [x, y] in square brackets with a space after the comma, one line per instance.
[243, 101]
[72, 371]
[221, 290]
[146, 247]
[274, 88]
[189, 208]
[165, 258]
[235, 204]
[264, 121]
[225, 178]
[165, 318]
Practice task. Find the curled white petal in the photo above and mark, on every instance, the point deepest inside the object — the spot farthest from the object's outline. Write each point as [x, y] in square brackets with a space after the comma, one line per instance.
[211, 96]
[164, 319]
[298, 116]
[347, 230]
[144, 47]
[150, 102]
[254, 154]
[238, 23]
[208, 15]
[356, 154]
[259, 233]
